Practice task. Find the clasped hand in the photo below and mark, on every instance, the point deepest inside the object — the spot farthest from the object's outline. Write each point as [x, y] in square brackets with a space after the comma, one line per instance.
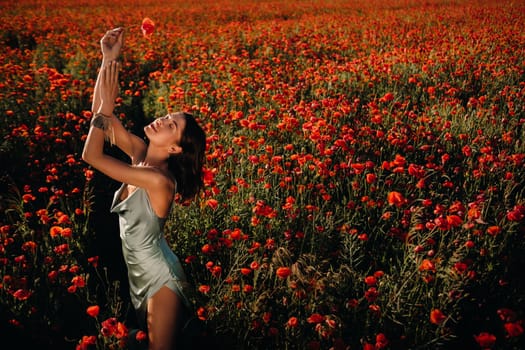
[111, 43]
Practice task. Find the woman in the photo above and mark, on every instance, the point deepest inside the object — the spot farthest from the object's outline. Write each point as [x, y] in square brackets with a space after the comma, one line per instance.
[171, 163]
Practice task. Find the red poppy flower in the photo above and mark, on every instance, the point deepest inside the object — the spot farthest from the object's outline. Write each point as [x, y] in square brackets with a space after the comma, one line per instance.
[485, 340]
[78, 281]
[381, 341]
[315, 318]
[93, 261]
[387, 97]
[396, 198]
[212, 203]
[437, 317]
[370, 280]
[22, 294]
[368, 346]
[121, 331]
[513, 329]
[141, 336]
[293, 322]
[246, 271]
[86, 341]
[283, 272]
[55, 231]
[494, 230]
[517, 213]
[204, 289]
[202, 314]
[93, 310]
[371, 294]
[66, 232]
[147, 27]
[371, 178]
[427, 265]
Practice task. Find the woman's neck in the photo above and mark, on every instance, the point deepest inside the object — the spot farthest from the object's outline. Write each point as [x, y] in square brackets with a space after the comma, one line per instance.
[154, 158]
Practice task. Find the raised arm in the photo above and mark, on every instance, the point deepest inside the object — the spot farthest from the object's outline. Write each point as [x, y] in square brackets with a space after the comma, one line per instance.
[111, 45]
[93, 153]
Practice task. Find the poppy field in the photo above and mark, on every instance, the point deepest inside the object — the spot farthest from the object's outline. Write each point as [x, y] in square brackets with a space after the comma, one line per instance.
[364, 180]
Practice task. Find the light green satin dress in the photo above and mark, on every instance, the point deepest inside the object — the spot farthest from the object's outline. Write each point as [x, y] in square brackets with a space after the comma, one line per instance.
[150, 262]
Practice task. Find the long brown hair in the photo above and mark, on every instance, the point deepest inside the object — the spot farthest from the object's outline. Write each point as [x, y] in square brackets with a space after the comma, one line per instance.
[187, 166]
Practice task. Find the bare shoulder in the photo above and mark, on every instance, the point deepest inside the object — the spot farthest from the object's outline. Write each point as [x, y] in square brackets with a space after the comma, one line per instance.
[161, 191]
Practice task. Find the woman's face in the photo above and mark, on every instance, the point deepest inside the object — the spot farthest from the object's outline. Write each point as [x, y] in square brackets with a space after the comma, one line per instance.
[166, 131]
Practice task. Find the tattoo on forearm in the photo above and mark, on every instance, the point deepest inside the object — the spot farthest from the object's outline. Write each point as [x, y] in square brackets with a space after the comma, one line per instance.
[100, 122]
[103, 122]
